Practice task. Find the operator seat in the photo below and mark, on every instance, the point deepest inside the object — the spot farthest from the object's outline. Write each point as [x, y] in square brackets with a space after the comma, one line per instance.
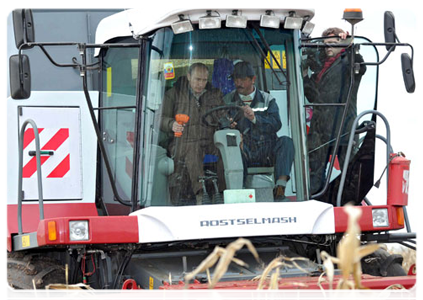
[261, 178]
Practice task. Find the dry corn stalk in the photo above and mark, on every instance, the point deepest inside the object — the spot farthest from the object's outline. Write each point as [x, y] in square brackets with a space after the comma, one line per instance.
[349, 253]
[349, 256]
[276, 264]
[207, 263]
[226, 255]
[273, 285]
[80, 290]
[321, 279]
[34, 286]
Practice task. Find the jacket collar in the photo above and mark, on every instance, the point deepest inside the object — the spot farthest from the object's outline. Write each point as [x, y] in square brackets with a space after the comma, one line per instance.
[334, 63]
[257, 98]
[182, 85]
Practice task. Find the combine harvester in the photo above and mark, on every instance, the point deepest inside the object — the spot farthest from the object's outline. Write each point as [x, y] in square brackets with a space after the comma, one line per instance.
[91, 174]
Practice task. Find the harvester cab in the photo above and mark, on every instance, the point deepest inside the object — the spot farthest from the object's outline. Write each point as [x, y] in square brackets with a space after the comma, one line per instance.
[210, 125]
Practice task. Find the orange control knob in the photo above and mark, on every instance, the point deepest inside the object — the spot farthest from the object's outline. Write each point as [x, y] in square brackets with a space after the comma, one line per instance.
[181, 119]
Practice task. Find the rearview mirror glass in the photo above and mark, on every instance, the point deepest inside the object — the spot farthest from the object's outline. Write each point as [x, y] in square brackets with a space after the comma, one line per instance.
[23, 27]
[20, 77]
[389, 28]
[408, 73]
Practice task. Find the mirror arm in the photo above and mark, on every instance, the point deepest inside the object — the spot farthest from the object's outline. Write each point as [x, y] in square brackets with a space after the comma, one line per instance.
[387, 54]
[20, 65]
[52, 60]
[25, 31]
[380, 62]
[41, 46]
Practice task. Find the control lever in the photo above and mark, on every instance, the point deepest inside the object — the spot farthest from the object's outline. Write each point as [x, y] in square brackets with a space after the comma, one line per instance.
[218, 199]
[206, 199]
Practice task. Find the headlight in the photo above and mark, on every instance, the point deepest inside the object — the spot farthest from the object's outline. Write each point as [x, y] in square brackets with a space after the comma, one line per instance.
[209, 21]
[235, 20]
[308, 28]
[78, 230]
[182, 26]
[269, 20]
[380, 217]
[293, 23]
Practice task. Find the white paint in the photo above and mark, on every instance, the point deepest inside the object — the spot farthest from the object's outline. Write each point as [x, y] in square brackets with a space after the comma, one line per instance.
[85, 145]
[161, 224]
[53, 119]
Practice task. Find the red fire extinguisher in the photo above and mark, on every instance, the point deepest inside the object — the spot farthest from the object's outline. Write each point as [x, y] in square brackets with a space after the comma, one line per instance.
[398, 182]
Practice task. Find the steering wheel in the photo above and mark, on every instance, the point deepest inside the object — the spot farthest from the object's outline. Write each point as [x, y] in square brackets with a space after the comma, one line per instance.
[222, 122]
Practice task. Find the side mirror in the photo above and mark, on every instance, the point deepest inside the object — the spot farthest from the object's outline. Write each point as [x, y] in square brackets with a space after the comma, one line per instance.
[408, 73]
[20, 77]
[389, 28]
[23, 27]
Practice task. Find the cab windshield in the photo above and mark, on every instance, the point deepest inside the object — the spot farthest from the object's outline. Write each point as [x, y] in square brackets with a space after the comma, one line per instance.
[221, 112]
[216, 117]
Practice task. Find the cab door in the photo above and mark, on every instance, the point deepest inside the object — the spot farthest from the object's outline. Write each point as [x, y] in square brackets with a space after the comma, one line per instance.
[117, 117]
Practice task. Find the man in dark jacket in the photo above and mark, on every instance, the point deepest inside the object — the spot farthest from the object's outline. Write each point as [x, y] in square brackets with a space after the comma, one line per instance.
[330, 83]
[259, 127]
[192, 96]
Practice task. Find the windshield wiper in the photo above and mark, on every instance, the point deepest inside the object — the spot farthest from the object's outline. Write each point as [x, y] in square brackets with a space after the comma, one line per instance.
[266, 45]
[263, 55]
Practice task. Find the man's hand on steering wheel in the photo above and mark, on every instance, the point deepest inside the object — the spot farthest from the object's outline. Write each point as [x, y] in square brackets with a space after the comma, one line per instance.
[233, 123]
[231, 120]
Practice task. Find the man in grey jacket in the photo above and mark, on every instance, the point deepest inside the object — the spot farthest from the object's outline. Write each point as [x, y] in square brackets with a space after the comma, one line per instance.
[259, 126]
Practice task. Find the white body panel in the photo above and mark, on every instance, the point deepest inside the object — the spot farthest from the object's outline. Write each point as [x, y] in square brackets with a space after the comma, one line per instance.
[161, 224]
[86, 142]
[60, 132]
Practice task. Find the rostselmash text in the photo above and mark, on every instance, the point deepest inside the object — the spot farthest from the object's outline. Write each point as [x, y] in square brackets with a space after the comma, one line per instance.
[247, 221]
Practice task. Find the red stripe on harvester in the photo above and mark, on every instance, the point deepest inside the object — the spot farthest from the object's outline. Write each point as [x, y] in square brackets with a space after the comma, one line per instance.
[29, 136]
[57, 140]
[130, 138]
[61, 169]
[29, 169]
[53, 144]
[336, 163]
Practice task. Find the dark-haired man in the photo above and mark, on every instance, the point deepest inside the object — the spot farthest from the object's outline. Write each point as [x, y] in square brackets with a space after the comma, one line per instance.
[259, 127]
[330, 84]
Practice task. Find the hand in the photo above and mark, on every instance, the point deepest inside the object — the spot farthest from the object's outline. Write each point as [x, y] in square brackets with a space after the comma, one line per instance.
[344, 35]
[248, 112]
[233, 124]
[305, 71]
[176, 127]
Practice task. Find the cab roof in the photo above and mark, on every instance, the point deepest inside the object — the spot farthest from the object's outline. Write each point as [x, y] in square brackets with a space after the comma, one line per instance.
[139, 22]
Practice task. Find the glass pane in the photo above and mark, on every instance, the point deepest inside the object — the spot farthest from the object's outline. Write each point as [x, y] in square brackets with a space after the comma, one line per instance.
[327, 86]
[120, 69]
[190, 74]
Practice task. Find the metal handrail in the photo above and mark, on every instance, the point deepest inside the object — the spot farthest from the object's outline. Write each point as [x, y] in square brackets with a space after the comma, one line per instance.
[349, 149]
[39, 178]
